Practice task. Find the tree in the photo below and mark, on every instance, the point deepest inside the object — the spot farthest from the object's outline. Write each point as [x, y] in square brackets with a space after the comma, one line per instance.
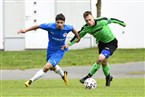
[98, 6]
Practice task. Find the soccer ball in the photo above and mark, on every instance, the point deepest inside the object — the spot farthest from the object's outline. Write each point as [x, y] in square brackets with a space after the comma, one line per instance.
[90, 83]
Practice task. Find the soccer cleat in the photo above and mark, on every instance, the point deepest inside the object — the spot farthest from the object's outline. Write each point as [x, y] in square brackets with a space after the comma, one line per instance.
[28, 83]
[86, 77]
[65, 78]
[108, 80]
[82, 80]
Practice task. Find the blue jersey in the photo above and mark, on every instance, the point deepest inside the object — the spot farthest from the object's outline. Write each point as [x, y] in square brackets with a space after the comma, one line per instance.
[56, 36]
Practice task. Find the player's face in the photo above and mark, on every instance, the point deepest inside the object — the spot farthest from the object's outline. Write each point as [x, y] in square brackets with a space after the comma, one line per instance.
[90, 20]
[59, 24]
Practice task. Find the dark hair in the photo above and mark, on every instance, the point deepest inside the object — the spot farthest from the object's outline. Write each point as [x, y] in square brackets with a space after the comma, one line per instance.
[60, 17]
[87, 13]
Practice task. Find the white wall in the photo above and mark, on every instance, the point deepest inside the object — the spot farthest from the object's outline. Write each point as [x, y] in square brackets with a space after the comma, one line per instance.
[13, 20]
[1, 28]
[132, 13]
[45, 13]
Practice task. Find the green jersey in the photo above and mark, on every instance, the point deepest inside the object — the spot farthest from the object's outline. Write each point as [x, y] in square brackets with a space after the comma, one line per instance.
[100, 30]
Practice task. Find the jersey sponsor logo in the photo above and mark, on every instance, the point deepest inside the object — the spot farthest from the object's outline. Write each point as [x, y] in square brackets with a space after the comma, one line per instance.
[65, 34]
[54, 62]
[51, 32]
[57, 39]
[106, 48]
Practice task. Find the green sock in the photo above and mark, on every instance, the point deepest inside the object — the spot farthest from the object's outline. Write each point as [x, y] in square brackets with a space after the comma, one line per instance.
[94, 68]
[106, 70]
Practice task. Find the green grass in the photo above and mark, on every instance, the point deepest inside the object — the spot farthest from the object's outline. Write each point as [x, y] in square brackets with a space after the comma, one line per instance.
[125, 87]
[36, 58]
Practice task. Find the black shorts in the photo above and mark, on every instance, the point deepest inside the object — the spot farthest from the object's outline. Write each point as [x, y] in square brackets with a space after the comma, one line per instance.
[111, 46]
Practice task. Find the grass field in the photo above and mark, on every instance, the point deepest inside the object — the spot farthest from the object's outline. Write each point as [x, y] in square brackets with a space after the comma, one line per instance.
[132, 87]
[36, 58]
[120, 87]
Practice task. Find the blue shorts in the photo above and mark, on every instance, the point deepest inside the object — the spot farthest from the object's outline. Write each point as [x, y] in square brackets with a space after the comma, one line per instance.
[54, 57]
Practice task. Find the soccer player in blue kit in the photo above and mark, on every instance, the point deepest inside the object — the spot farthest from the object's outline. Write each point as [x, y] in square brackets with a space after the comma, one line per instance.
[57, 33]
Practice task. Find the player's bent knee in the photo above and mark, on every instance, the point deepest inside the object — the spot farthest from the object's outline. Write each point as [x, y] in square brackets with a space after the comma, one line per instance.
[53, 68]
[104, 62]
[47, 67]
[100, 59]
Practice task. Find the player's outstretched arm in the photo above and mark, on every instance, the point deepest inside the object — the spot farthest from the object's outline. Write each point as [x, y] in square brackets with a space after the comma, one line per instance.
[113, 20]
[28, 29]
[77, 35]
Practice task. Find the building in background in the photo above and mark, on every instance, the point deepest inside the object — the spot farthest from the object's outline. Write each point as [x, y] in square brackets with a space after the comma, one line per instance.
[18, 14]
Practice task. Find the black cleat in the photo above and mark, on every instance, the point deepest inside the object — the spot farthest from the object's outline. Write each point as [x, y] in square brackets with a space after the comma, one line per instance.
[82, 80]
[109, 78]
[86, 77]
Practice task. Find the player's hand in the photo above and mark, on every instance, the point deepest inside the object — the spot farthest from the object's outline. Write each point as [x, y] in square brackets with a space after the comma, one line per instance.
[123, 24]
[78, 40]
[21, 31]
[64, 47]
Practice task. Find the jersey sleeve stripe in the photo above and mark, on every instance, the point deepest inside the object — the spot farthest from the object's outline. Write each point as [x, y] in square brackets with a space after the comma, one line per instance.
[117, 20]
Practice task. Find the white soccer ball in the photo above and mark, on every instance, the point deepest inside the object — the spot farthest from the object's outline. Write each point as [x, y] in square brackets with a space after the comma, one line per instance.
[90, 83]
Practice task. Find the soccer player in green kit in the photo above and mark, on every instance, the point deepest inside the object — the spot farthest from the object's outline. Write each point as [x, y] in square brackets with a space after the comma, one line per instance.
[107, 43]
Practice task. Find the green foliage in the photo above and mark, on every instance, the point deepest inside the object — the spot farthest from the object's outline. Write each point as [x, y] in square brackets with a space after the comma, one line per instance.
[36, 58]
[125, 87]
